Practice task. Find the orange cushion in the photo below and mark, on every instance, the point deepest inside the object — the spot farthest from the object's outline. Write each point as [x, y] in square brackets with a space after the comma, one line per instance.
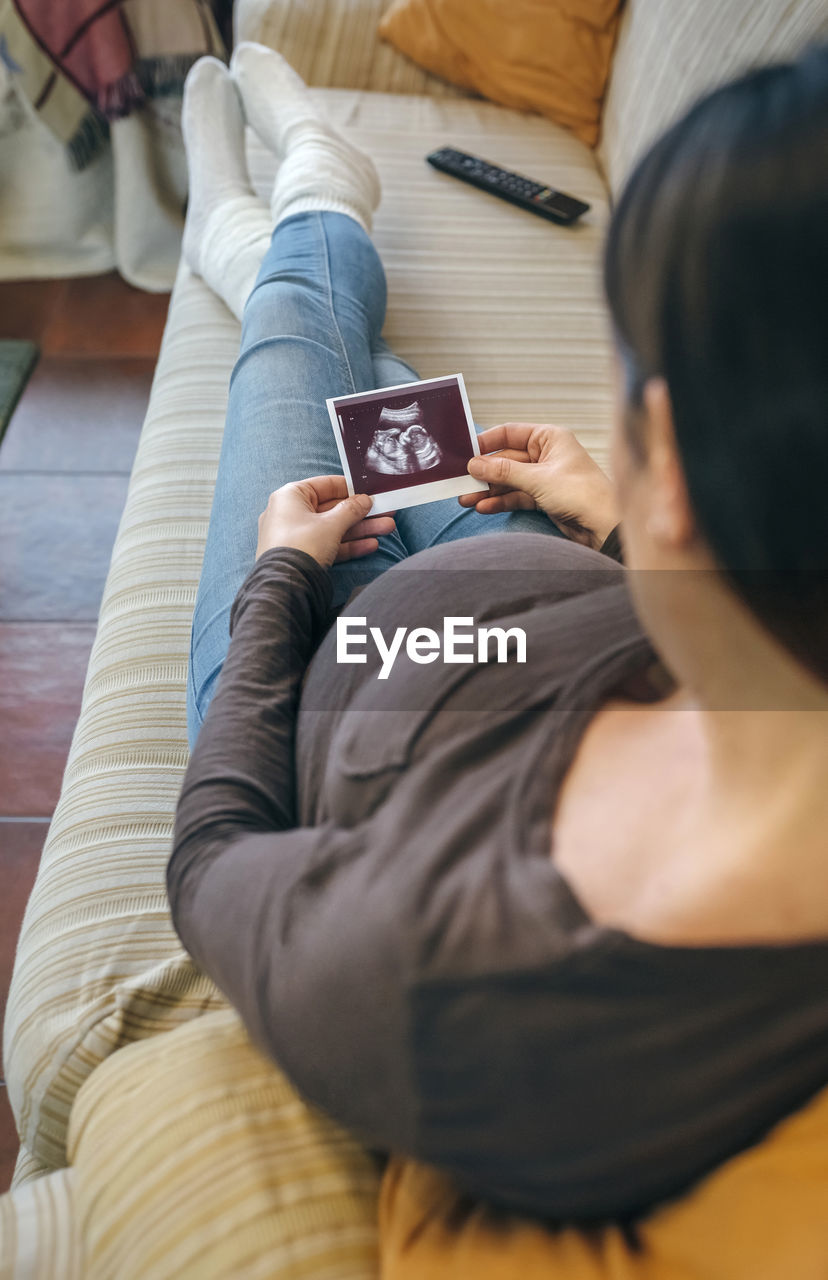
[549, 56]
[762, 1214]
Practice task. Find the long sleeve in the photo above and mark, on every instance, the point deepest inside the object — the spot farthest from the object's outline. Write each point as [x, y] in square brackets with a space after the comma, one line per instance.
[241, 775]
[305, 953]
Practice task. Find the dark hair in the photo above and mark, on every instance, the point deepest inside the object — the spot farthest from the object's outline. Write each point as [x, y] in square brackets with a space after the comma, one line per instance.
[716, 274]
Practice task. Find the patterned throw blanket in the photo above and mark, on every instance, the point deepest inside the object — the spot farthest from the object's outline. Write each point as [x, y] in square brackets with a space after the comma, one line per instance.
[82, 63]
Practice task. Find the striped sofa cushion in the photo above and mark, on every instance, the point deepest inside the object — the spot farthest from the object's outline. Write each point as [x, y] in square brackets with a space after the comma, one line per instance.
[476, 286]
[669, 54]
[98, 964]
[334, 44]
[40, 1230]
[222, 1171]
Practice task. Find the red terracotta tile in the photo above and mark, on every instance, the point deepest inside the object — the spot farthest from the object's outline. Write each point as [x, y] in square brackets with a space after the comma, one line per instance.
[20, 847]
[56, 536]
[103, 315]
[42, 669]
[26, 306]
[8, 1142]
[79, 414]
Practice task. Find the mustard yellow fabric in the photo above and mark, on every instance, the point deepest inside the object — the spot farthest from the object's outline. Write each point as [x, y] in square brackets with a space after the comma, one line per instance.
[548, 56]
[762, 1216]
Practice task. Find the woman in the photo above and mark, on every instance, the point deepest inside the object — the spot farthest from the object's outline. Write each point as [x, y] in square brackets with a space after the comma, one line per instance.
[560, 928]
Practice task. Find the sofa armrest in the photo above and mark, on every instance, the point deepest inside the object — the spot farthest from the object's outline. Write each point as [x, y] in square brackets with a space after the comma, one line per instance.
[334, 44]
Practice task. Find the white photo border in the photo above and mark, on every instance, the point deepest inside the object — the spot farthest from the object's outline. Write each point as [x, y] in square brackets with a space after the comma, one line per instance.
[416, 494]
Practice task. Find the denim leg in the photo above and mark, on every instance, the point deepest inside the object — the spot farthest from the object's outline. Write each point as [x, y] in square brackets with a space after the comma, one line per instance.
[310, 330]
[390, 370]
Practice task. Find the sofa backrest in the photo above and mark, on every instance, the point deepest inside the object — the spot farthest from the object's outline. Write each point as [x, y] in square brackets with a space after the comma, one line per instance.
[669, 52]
[335, 44]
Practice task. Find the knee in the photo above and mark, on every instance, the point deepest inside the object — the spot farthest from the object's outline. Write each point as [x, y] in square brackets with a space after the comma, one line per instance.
[279, 304]
[325, 259]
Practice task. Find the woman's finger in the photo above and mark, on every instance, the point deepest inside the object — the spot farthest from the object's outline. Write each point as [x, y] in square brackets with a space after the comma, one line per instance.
[353, 550]
[333, 502]
[511, 501]
[510, 435]
[513, 455]
[495, 491]
[501, 472]
[372, 527]
[499, 499]
[327, 489]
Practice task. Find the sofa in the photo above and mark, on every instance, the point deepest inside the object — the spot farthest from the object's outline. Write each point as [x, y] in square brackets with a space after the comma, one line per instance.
[476, 286]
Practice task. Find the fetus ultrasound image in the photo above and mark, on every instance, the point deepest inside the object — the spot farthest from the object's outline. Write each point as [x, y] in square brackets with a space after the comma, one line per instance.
[406, 439]
[401, 444]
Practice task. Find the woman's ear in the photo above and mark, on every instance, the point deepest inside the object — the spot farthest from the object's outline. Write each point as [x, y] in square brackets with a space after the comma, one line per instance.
[669, 520]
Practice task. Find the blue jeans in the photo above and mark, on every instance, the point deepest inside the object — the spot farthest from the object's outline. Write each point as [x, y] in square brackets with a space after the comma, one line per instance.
[312, 329]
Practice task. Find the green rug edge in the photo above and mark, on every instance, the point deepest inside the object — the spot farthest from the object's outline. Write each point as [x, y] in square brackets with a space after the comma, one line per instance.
[18, 358]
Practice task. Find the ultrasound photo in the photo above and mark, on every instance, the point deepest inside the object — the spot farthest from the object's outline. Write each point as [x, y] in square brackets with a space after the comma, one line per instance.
[407, 444]
[401, 443]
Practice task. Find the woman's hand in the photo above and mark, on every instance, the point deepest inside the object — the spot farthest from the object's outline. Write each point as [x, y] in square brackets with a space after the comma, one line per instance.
[528, 466]
[318, 517]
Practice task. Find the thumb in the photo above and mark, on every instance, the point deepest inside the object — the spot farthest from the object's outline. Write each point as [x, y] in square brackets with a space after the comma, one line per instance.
[495, 469]
[348, 511]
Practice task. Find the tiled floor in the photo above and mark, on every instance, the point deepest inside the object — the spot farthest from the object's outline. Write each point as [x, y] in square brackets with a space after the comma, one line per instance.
[64, 466]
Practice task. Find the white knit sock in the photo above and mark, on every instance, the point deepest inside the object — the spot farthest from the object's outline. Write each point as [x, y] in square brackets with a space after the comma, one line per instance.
[320, 169]
[228, 229]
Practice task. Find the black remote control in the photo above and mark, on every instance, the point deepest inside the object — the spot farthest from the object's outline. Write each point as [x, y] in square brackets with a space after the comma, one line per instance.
[513, 187]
